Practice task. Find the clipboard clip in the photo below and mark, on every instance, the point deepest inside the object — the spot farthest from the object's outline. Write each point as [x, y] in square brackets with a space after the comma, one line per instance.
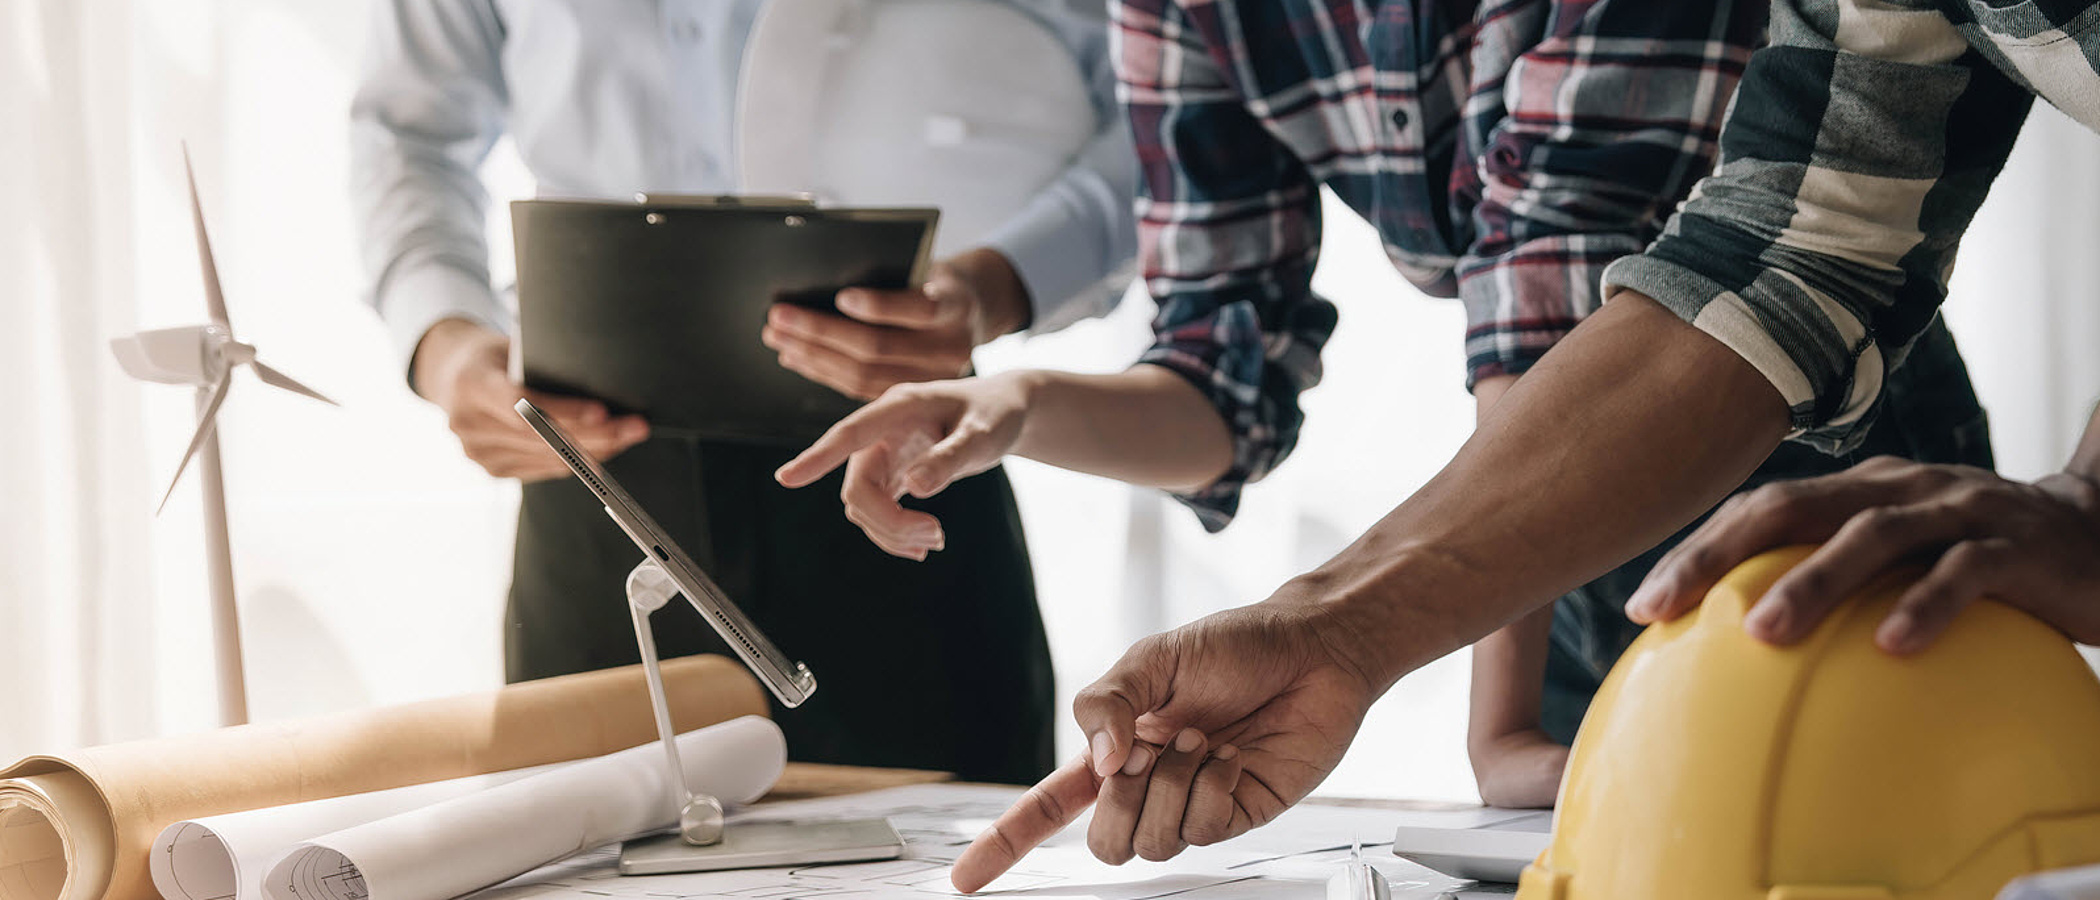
[797, 200]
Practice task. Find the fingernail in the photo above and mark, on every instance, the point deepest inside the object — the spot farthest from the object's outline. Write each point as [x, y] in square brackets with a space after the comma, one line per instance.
[1895, 632]
[1188, 740]
[1103, 746]
[1140, 759]
[634, 431]
[1641, 606]
[1226, 752]
[783, 314]
[1766, 621]
[851, 301]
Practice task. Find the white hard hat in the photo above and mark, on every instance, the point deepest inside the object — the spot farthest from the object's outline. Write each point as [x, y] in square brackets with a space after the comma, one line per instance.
[968, 105]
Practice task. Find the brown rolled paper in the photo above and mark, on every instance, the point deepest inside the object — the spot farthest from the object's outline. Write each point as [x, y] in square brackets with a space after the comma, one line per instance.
[79, 826]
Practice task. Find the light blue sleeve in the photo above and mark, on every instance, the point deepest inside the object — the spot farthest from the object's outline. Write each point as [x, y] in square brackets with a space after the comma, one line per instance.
[1074, 243]
[430, 104]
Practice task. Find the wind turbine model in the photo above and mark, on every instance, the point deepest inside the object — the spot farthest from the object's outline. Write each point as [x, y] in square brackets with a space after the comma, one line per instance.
[205, 356]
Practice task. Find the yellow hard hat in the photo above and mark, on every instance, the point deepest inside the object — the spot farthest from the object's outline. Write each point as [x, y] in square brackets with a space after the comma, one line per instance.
[1716, 767]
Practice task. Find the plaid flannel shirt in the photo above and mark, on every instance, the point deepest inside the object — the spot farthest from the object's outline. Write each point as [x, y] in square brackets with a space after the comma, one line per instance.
[1506, 151]
[1860, 146]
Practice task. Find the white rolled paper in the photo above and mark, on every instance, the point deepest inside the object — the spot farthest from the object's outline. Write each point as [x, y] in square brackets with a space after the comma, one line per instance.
[469, 842]
[2063, 884]
[218, 857]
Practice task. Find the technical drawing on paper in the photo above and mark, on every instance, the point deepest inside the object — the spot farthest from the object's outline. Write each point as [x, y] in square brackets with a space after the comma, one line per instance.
[1291, 857]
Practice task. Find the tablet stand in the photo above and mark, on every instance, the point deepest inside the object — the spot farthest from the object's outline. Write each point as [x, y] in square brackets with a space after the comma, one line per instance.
[703, 843]
[699, 815]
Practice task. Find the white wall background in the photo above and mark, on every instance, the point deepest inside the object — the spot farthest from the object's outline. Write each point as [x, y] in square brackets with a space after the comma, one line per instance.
[372, 557]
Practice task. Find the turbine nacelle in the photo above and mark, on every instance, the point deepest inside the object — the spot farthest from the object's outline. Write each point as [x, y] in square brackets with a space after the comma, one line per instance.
[203, 356]
[192, 354]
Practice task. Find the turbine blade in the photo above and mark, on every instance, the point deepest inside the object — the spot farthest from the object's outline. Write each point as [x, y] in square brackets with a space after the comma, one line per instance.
[214, 297]
[206, 421]
[277, 379]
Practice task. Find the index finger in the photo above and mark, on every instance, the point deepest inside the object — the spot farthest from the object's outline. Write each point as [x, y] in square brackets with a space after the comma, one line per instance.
[1044, 811]
[865, 427]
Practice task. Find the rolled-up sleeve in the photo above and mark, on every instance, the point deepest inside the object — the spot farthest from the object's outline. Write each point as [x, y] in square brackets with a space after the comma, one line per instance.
[1228, 234]
[1859, 146]
[429, 105]
[1606, 122]
[1073, 244]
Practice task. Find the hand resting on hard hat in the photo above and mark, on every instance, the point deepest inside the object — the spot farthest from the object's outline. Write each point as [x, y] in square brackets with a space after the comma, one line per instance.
[2033, 546]
[887, 338]
[1197, 735]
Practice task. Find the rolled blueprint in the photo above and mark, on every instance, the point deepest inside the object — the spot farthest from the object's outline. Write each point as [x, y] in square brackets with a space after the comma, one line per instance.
[79, 826]
[2063, 884]
[454, 847]
[221, 857]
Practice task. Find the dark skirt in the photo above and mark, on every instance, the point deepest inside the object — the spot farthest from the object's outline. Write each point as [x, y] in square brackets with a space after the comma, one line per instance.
[934, 665]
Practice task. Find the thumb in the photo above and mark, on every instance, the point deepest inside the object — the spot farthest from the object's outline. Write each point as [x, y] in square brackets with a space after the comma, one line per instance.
[1108, 709]
[943, 464]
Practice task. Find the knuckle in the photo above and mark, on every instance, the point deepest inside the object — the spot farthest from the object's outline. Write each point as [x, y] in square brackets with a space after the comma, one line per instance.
[1934, 477]
[1046, 805]
[1803, 585]
[1106, 849]
[1153, 848]
[1203, 833]
[1882, 463]
[1772, 499]
[1701, 558]
[1972, 557]
[1003, 846]
[1876, 521]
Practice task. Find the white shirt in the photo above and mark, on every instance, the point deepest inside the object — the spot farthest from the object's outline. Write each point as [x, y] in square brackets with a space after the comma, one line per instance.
[608, 98]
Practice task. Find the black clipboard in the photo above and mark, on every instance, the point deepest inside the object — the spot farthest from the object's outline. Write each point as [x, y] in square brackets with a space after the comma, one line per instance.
[655, 306]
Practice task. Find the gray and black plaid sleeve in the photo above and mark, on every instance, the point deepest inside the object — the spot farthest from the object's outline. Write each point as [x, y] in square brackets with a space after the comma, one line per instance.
[1861, 142]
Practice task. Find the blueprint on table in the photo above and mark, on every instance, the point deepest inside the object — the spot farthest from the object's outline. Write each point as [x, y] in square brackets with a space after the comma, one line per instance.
[1291, 857]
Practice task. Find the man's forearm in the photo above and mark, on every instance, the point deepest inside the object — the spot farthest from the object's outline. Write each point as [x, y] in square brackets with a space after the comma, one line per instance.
[1144, 426]
[1634, 425]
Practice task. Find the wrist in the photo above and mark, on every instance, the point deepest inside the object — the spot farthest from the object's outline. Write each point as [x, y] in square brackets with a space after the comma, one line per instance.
[1003, 305]
[2076, 488]
[446, 351]
[1362, 599]
[1025, 389]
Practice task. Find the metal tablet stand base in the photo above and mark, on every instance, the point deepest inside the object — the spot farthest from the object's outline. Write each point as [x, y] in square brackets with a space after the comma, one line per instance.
[699, 815]
[702, 844]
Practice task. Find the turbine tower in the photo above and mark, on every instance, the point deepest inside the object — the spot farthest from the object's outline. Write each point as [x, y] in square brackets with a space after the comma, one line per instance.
[204, 356]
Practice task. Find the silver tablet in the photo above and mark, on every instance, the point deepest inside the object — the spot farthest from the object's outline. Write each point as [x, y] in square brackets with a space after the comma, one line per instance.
[791, 682]
[1489, 844]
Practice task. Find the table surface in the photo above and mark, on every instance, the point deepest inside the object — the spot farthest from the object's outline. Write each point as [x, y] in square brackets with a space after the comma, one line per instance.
[802, 781]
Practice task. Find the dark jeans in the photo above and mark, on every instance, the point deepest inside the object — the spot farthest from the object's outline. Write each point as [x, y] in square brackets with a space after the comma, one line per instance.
[934, 665]
[1930, 414]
